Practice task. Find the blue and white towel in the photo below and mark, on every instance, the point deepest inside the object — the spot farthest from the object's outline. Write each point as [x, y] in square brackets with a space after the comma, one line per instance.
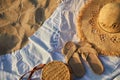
[46, 43]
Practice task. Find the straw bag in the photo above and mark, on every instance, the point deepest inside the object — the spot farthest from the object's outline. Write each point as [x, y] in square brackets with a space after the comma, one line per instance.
[54, 70]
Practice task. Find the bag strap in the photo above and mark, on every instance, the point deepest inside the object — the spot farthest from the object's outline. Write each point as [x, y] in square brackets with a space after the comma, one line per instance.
[32, 71]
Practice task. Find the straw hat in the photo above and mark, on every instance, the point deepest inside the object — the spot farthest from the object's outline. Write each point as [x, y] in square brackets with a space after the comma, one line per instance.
[55, 70]
[99, 23]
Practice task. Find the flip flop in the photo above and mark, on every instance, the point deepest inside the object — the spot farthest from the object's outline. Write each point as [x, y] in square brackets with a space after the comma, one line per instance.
[90, 55]
[68, 50]
[76, 65]
[73, 60]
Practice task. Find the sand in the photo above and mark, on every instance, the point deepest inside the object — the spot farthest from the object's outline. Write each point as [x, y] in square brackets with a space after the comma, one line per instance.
[19, 19]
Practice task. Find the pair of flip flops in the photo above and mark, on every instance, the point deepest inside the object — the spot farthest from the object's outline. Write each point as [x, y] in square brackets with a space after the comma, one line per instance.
[74, 53]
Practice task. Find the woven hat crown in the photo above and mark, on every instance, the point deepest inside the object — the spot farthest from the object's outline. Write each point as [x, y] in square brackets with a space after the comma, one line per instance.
[109, 17]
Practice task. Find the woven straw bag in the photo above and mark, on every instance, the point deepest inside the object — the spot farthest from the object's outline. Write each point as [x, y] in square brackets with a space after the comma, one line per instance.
[54, 70]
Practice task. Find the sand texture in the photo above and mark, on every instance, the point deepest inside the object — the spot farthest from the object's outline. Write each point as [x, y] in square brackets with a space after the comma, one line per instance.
[19, 19]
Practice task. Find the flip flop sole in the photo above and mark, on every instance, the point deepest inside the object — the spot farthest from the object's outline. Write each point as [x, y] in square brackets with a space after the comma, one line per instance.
[90, 55]
[73, 60]
[68, 50]
[95, 64]
[76, 65]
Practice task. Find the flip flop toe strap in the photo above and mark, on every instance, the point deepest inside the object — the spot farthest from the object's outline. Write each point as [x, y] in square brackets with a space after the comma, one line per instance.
[68, 50]
[85, 51]
[90, 55]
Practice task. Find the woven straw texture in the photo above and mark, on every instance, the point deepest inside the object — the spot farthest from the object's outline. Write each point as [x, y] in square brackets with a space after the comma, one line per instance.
[55, 70]
[88, 29]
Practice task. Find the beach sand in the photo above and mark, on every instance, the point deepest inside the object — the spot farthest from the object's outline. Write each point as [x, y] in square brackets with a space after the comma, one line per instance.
[19, 19]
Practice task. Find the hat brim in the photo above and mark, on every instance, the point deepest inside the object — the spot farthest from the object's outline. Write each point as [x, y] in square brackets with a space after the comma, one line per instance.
[88, 29]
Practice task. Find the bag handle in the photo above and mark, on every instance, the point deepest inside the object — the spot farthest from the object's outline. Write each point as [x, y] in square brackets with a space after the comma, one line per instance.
[32, 71]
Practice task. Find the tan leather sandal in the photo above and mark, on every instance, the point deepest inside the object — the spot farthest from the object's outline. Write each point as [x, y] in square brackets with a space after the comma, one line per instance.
[68, 50]
[90, 55]
[76, 65]
[72, 58]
